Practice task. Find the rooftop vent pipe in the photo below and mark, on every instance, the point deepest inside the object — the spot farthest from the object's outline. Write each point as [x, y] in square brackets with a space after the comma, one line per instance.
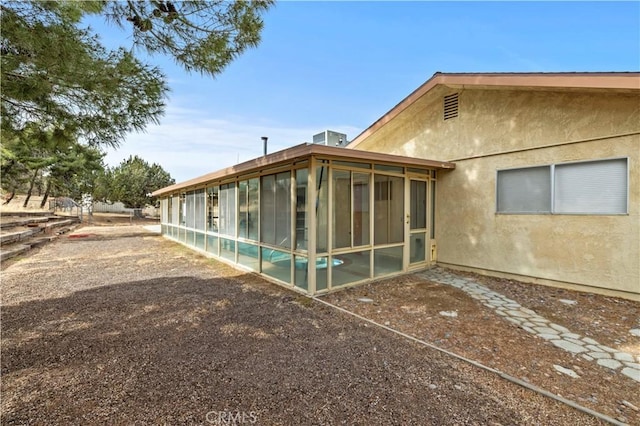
[264, 144]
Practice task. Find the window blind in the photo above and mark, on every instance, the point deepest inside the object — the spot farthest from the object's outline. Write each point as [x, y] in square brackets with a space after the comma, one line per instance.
[596, 187]
[525, 190]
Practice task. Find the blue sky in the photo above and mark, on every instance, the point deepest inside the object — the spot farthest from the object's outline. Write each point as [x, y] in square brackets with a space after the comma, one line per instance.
[342, 65]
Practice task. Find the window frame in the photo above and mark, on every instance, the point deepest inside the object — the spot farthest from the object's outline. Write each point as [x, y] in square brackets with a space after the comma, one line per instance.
[549, 168]
[552, 189]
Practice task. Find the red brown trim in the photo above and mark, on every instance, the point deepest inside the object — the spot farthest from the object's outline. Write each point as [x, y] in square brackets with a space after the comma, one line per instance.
[300, 153]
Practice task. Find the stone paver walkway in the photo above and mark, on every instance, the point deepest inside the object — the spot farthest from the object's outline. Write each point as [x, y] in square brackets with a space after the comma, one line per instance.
[533, 323]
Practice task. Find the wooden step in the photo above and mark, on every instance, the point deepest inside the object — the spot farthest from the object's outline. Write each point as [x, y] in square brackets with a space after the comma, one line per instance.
[32, 232]
[13, 251]
[10, 222]
[23, 231]
[39, 242]
[64, 230]
[19, 213]
[12, 237]
[59, 224]
[37, 228]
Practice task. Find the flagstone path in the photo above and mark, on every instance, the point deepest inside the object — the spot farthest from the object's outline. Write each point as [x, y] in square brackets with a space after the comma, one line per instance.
[535, 324]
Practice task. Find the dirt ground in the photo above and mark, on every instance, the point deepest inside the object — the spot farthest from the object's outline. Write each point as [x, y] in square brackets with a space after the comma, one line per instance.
[116, 325]
[114, 219]
[412, 305]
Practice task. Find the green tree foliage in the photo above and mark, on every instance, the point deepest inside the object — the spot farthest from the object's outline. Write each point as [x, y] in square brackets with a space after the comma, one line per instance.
[13, 173]
[49, 160]
[76, 172]
[201, 36]
[57, 74]
[60, 87]
[133, 181]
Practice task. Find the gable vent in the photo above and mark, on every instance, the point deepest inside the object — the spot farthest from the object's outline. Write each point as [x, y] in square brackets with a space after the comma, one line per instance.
[451, 106]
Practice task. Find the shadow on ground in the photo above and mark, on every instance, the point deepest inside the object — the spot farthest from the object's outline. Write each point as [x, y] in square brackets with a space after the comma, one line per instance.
[184, 350]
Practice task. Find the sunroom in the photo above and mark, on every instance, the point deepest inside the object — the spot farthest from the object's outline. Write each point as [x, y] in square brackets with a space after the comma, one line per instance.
[312, 217]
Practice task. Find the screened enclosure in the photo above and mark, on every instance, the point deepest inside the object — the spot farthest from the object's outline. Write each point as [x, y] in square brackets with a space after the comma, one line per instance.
[314, 218]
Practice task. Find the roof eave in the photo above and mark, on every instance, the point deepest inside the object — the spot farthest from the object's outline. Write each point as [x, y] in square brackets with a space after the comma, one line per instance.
[301, 152]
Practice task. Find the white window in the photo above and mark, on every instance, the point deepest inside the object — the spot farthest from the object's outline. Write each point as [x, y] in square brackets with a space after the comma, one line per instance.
[199, 207]
[190, 210]
[524, 190]
[228, 209]
[164, 211]
[590, 187]
[597, 187]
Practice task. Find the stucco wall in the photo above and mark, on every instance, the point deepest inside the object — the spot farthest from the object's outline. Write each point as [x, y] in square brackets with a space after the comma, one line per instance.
[598, 251]
[501, 127]
[495, 121]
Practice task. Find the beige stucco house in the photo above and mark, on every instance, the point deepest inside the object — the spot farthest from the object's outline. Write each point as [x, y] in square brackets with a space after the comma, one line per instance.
[546, 184]
[530, 176]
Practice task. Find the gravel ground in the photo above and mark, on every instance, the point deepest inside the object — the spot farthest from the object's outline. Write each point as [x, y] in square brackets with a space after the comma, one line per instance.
[119, 326]
[412, 305]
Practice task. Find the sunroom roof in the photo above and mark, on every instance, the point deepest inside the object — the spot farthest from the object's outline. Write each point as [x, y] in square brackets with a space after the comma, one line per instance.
[301, 152]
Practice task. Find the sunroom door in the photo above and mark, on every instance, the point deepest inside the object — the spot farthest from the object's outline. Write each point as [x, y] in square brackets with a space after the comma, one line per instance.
[417, 222]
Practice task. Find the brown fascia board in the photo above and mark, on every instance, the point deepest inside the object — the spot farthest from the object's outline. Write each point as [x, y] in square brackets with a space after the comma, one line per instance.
[299, 153]
[569, 80]
[257, 163]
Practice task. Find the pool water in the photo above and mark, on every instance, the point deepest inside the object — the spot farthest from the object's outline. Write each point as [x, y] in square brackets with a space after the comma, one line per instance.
[321, 262]
[278, 257]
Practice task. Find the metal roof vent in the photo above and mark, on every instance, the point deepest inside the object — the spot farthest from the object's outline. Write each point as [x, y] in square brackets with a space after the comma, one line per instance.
[451, 106]
[331, 138]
